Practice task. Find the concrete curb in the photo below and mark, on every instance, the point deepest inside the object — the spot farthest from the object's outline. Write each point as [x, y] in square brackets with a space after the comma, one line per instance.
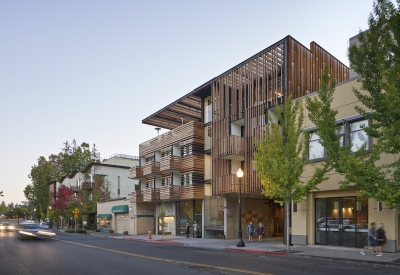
[276, 253]
[346, 259]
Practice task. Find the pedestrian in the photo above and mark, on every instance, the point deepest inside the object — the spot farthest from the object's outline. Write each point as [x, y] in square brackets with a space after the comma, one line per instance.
[260, 231]
[372, 241]
[381, 236]
[187, 230]
[195, 229]
[250, 231]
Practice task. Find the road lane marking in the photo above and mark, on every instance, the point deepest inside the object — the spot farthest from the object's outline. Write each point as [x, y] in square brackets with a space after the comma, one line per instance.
[167, 260]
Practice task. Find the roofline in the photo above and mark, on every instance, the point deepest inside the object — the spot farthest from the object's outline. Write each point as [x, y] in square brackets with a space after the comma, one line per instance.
[214, 78]
[87, 168]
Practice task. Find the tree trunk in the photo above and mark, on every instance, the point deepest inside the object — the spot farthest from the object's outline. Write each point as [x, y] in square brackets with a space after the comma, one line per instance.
[287, 225]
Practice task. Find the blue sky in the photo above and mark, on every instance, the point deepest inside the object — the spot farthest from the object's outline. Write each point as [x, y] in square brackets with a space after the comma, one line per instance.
[92, 70]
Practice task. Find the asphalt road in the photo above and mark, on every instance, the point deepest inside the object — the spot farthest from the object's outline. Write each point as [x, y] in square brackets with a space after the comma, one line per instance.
[84, 254]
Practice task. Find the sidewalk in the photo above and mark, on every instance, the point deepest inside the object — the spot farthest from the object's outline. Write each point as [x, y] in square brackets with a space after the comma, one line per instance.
[272, 246]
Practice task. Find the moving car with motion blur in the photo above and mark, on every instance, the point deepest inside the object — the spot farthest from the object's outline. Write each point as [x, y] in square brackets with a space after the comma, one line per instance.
[33, 231]
[6, 226]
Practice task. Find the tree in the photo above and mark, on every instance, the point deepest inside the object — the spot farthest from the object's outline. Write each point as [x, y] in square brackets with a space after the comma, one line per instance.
[377, 60]
[281, 159]
[162, 223]
[60, 206]
[71, 158]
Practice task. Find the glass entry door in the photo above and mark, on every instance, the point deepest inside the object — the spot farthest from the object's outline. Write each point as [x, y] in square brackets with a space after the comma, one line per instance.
[342, 221]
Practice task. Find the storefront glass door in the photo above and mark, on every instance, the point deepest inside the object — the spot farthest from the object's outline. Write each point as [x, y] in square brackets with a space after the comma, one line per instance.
[341, 221]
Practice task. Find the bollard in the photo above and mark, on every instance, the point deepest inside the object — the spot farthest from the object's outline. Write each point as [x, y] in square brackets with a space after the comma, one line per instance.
[150, 234]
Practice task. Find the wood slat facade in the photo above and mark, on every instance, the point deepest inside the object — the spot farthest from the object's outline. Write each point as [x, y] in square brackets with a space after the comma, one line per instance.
[233, 107]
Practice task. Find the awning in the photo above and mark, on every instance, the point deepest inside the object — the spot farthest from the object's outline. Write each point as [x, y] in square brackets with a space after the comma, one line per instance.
[104, 216]
[120, 209]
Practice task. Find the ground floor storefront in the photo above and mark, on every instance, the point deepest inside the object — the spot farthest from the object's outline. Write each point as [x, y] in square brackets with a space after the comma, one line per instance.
[341, 218]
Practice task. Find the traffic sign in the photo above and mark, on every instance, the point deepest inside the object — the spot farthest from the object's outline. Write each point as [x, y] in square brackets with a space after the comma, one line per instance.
[75, 211]
[75, 216]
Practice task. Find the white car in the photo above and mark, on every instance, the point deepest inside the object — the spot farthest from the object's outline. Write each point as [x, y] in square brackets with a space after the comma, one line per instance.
[6, 226]
[33, 230]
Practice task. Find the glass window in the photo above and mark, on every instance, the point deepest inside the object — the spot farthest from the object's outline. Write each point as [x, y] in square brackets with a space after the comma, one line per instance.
[358, 137]
[315, 150]
[340, 132]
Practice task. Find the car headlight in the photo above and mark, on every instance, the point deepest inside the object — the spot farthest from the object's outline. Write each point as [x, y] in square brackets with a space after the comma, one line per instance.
[11, 227]
[2, 227]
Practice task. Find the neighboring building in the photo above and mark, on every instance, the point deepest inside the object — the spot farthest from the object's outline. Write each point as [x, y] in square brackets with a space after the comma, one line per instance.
[124, 217]
[113, 170]
[192, 168]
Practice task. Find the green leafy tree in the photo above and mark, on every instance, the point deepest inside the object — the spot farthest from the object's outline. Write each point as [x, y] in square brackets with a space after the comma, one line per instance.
[377, 60]
[281, 158]
[162, 224]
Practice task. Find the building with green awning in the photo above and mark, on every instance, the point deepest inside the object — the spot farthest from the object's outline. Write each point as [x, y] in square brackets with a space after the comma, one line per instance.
[120, 209]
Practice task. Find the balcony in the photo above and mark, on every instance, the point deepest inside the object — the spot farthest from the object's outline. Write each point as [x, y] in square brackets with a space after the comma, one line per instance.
[170, 192]
[136, 196]
[177, 192]
[151, 195]
[136, 172]
[151, 168]
[230, 184]
[192, 129]
[192, 192]
[231, 147]
[170, 163]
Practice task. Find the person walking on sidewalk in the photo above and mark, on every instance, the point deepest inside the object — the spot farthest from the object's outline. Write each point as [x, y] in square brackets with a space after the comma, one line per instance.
[187, 230]
[260, 231]
[381, 236]
[372, 241]
[195, 229]
[250, 231]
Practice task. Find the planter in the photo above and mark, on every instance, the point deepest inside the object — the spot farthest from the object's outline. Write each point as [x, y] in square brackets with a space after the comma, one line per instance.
[125, 232]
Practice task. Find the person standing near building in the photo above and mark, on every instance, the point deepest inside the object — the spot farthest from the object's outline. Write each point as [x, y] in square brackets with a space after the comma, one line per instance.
[250, 231]
[372, 242]
[195, 229]
[187, 230]
[260, 231]
[381, 236]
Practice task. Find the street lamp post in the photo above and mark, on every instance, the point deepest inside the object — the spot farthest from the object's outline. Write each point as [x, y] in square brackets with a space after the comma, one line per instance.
[240, 242]
[34, 213]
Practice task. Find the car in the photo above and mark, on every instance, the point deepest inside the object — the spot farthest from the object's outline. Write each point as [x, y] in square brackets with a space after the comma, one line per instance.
[33, 230]
[6, 226]
[346, 224]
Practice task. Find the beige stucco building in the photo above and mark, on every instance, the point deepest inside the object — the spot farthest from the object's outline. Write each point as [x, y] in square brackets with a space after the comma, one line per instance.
[332, 216]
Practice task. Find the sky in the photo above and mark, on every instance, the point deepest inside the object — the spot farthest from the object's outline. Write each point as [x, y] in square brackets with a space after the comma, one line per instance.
[92, 70]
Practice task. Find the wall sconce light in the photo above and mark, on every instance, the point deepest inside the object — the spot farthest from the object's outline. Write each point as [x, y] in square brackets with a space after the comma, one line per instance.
[336, 205]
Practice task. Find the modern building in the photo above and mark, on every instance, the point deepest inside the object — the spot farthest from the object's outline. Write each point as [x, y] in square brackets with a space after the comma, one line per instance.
[191, 170]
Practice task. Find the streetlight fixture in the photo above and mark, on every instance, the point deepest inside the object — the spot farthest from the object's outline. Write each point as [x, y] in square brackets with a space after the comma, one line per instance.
[240, 242]
[34, 213]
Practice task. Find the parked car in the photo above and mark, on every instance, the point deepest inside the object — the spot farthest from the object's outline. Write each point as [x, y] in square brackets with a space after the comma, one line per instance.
[6, 226]
[33, 230]
[335, 224]
[44, 225]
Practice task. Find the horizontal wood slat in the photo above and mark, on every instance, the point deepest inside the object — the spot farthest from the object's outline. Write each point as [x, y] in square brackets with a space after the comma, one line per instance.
[136, 172]
[151, 195]
[170, 192]
[192, 192]
[151, 168]
[231, 146]
[192, 129]
[136, 196]
[170, 163]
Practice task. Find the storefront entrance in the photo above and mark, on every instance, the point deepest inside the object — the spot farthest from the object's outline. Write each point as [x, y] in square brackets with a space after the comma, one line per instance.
[188, 212]
[341, 221]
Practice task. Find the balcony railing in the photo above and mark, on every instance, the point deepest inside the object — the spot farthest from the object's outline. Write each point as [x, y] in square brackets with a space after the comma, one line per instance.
[136, 172]
[151, 168]
[170, 163]
[170, 192]
[151, 195]
[193, 129]
[136, 196]
[231, 147]
[230, 184]
[192, 192]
